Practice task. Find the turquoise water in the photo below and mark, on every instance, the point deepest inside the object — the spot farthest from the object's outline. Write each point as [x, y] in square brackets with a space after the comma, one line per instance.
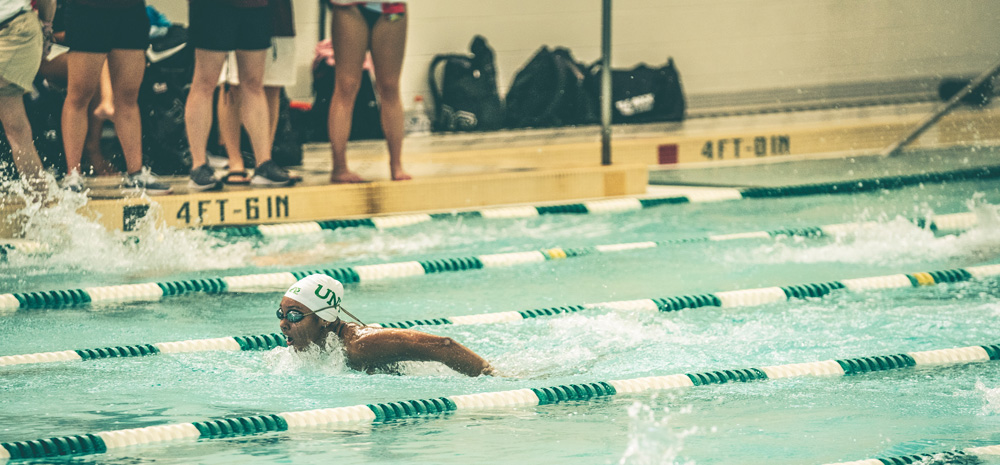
[798, 420]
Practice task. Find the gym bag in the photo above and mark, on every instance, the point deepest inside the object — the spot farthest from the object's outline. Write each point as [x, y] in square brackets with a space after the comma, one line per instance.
[466, 96]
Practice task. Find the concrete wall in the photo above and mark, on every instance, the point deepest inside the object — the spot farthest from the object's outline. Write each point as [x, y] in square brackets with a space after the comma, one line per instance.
[719, 45]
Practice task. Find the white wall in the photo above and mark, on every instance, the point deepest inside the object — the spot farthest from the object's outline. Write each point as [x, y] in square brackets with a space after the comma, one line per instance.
[718, 45]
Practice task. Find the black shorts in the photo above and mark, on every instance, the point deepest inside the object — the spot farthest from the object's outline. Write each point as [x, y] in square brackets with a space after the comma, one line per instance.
[214, 25]
[100, 30]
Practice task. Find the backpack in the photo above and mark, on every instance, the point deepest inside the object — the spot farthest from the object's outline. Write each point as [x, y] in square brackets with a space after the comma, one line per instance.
[287, 147]
[642, 94]
[466, 97]
[550, 91]
[162, 98]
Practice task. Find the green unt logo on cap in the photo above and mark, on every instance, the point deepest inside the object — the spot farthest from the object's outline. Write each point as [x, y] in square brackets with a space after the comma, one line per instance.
[295, 290]
[330, 296]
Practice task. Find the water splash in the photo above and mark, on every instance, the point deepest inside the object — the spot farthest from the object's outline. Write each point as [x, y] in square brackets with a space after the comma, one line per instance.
[80, 244]
[576, 344]
[314, 359]
[652, 440]
[885, 240]
[450, 235]
[991, 398]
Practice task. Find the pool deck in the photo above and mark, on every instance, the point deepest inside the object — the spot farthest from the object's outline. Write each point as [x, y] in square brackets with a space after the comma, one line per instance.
[457, 172]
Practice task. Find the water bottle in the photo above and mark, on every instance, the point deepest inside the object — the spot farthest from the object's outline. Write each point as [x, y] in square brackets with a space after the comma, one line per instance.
[418, 123]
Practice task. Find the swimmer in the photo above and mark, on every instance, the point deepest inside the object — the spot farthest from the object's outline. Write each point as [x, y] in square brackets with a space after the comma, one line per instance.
[310, 311]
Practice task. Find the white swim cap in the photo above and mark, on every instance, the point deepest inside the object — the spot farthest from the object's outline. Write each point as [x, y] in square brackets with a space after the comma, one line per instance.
[318, 291]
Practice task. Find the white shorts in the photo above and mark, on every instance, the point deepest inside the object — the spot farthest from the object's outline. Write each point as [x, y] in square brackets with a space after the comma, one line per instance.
[279, 69]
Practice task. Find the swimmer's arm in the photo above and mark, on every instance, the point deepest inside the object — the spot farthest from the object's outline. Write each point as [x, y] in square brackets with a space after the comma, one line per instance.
[390, 346]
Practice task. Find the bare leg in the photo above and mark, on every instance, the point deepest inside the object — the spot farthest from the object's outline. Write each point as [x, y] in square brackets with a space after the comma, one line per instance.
[350, 43]
[18, 129]
[229, 126]
[198, 109]
[273, 95]
[253, 103]
[388, 46]
[82, 83]
[127, 68]
[101, 109]
[106, 105]
[92, 144]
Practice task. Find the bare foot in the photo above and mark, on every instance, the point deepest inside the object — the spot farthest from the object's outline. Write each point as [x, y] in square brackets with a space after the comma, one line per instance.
[104, 110]
[401, 176]
[345, 177]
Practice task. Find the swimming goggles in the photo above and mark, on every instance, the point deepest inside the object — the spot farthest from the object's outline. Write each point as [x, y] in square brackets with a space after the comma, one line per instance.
[295, 316]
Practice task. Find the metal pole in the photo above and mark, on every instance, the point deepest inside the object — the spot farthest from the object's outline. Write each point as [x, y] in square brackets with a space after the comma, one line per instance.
[897, 148]
[606, 82]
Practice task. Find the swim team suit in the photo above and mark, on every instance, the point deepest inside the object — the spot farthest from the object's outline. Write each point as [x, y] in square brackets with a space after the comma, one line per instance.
[99, 26]
[226, 25]
[20, 47]
[372, 11]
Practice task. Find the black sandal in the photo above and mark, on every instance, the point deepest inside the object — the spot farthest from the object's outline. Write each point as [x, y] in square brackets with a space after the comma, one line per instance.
[243, 179]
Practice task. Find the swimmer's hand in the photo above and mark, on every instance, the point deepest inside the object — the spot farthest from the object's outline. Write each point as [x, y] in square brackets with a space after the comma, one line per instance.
[491, 371]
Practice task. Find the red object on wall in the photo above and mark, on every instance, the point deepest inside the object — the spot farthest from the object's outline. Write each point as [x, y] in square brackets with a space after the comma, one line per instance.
[667, 154]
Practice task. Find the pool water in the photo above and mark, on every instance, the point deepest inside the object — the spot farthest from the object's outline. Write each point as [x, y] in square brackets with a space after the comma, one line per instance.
[797, 420]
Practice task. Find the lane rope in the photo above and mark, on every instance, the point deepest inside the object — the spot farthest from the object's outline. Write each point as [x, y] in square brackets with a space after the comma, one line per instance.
[101, 442]
[12, 302]
[622, 204]
[737, 298]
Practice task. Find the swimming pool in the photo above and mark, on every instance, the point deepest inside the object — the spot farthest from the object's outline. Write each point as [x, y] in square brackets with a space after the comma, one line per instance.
[801, 419]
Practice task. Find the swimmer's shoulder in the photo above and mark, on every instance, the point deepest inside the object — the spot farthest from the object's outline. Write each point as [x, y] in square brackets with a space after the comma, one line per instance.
[354, 331]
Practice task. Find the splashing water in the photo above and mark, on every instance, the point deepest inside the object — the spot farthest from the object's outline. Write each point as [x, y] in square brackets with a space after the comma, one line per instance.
[448, 235]
[79, 244]
[991, 398]
[895, 240]
[574, 343]
[651, 439]
[329, 361]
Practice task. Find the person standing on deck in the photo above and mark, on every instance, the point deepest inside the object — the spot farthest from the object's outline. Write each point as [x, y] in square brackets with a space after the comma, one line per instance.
[357, 28]
[218, 27]
[116, 31]
[23, 37]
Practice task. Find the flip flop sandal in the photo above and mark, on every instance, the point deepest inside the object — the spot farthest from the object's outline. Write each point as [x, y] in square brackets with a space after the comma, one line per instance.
[241, 178]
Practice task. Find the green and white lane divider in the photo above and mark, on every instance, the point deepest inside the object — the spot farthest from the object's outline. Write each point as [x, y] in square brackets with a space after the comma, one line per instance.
[738, 298]
[527, 211]
[101, 442]
[951, 456]
[698, 195]
[10, 303]
[233, 343]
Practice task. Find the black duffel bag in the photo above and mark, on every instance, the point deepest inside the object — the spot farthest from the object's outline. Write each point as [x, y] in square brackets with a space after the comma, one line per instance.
[642, 94]
[466, 97]
[550, 91]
